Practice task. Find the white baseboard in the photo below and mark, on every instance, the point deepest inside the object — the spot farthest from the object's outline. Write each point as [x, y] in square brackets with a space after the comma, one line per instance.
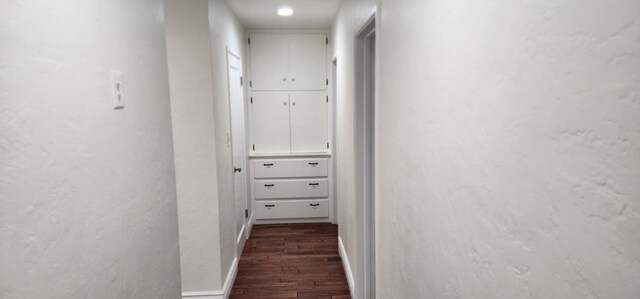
[252, 221]
[347, 267]
[203, 295]
[241, 234]
[231, 277]
[219, 294]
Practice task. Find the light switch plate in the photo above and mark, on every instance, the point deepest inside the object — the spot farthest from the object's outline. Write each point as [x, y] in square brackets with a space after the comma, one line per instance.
[117, 88]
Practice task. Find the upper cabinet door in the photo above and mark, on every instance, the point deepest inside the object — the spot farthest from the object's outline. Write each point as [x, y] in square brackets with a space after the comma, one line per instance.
[308, 121]
[269, 62]
[307, 61]
[271, 131]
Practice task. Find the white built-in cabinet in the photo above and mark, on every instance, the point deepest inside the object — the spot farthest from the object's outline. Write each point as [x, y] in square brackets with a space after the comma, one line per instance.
[288, 62]
[286, 188]
[289, 122]
[289, 93]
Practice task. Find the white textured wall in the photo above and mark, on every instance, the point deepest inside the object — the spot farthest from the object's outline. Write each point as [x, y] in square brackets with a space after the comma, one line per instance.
[508, 147]
[87, 193]
[198, 32]
[190, 74]
[351, 17]
[226, 32]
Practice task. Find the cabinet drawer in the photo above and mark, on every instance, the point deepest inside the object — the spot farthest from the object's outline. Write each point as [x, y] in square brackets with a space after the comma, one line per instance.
[281, 209]
[290, 168]
[266, 189]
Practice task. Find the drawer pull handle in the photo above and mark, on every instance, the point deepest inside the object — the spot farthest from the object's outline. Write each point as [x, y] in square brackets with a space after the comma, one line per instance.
[314, 184]
[268, 164]
[314, 204]
[269, 206]
[269, 185]
[313, 163]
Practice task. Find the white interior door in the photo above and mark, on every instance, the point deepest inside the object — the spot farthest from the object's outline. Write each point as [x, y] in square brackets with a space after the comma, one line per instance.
[271, 132]
[269, 62]
[238, 146]
[308, 121]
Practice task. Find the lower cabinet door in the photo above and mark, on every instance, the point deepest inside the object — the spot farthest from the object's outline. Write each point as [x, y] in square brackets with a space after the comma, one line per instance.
[271, 131]
[309, 122]
[283, 209]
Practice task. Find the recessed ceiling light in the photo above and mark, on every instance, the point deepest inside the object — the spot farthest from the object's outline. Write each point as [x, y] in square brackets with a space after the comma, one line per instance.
[285, 11]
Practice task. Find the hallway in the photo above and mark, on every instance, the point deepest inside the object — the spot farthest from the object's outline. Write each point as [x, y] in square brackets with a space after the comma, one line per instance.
[291, 261]
[325, 149]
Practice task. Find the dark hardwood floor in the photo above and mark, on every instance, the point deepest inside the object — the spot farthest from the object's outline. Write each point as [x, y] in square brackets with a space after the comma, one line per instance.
[291, 261]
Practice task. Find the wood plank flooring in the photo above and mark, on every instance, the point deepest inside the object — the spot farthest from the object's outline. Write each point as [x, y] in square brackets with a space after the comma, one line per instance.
[291, 261]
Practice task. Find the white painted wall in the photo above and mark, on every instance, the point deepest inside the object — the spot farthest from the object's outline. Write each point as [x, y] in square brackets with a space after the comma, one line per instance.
[351, 17]
[225, 31]
[88, 199]
[190, 75]
[198, 32]
[508, 147]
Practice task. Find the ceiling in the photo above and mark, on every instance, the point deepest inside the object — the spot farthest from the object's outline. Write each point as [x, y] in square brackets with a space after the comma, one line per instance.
[307, 14]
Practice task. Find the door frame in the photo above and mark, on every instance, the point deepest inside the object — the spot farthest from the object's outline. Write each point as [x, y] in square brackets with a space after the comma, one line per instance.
[243, 235]
[366, 74]
[334, 139]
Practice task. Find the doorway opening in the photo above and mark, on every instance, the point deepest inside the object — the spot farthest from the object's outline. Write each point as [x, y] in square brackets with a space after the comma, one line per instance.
[365, 158]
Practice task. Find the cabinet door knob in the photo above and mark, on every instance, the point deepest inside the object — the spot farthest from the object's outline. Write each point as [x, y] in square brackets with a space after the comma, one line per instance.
[284, 79]
[285, 103]
[269, 206]
[268, 164]
[269, 185]
[314, 204]
[237, 169]
[293, 79]
[314, 184]
[293, 103]
[313, 163]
